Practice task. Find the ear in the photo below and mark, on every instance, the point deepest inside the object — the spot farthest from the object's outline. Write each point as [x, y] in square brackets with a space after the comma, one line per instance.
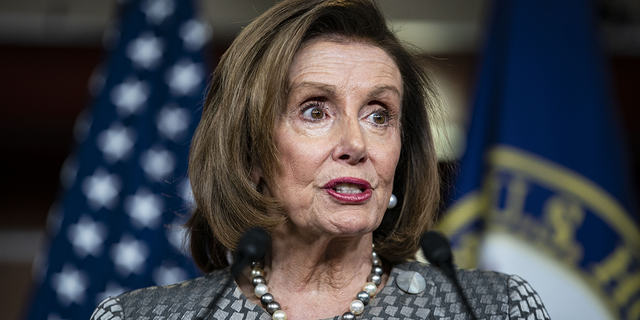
[256, 175]
[257, 179]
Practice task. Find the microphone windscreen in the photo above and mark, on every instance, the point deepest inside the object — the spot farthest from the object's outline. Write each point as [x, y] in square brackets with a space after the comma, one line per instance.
[253, 244]
[436, 249]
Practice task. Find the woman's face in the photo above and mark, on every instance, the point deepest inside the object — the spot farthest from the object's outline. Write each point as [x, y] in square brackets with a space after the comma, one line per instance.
[339, 138]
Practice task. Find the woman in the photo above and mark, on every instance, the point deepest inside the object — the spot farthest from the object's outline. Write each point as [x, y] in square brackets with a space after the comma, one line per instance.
[316, 115]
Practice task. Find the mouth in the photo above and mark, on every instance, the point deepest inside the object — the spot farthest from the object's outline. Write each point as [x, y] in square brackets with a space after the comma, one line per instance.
[349, 189]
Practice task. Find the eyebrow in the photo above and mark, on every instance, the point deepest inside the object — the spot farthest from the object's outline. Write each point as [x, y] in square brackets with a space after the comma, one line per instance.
[381, 89]
[331, 89]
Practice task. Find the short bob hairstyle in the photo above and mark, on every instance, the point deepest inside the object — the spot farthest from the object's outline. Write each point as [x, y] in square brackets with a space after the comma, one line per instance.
[249, 91]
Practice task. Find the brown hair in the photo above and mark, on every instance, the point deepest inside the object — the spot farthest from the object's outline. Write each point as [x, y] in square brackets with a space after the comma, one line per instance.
[248, 91]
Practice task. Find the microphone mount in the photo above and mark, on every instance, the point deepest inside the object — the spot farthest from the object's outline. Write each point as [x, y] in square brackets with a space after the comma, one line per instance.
[437, 250]
[252, 246]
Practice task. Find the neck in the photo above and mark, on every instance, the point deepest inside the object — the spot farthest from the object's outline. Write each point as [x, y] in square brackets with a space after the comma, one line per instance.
[315, 276]
[303, 259]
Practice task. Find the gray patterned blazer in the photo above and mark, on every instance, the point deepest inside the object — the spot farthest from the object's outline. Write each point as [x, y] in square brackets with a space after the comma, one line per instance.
[492, 295]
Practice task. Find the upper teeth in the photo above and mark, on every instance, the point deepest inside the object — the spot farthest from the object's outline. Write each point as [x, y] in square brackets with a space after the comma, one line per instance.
[348, 188]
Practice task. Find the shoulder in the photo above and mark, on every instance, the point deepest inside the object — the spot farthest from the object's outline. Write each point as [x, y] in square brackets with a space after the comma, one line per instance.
[108, 309]
[170, 295]
[482, 280]
[490, 293]
[479, 280]
[525, 300]
[183, 298]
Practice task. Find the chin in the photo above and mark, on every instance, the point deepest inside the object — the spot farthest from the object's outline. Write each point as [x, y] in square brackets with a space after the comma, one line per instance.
[353, 226]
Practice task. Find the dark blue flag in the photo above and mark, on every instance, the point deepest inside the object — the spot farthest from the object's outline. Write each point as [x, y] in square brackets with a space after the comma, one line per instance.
[544, 189]
[117, 225]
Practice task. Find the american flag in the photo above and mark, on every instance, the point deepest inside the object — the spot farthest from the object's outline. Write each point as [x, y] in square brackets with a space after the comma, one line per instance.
[117, 224]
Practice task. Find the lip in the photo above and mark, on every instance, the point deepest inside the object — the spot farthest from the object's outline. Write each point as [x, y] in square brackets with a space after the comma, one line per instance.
[349, 197]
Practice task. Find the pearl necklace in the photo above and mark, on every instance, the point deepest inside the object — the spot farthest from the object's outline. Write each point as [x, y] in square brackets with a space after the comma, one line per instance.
[356, 308]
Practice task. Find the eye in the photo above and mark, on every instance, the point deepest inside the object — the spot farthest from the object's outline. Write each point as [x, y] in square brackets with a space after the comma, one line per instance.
[314, 113]
[379, 117]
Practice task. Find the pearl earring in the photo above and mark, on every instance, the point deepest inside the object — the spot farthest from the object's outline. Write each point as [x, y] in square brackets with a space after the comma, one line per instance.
[392, 202]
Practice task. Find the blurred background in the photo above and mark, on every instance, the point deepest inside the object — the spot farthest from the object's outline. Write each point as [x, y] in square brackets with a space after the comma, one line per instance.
[49, 49]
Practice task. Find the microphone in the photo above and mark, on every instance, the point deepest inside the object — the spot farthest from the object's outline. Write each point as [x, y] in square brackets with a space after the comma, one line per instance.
[437, 250]
[252, 246]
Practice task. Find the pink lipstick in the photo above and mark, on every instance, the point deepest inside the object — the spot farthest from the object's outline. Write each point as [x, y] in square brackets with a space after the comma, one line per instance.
[349, 189]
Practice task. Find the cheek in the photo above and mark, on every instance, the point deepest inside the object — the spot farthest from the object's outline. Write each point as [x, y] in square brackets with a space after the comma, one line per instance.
[300, 156]
[300, 164]
[388, 156]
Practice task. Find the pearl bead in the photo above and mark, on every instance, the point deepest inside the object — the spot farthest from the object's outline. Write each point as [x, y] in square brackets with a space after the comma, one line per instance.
[357, 307]
[377, 270]
[364, 297]
[393, 201]
[257, 272]
[279, 315]
[266, 299]
[375, 279]
[258, 280]
[273, 307]
[370, 288]
[260, 289]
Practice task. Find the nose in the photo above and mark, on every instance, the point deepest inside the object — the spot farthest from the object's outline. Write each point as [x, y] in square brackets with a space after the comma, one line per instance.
[351, 147]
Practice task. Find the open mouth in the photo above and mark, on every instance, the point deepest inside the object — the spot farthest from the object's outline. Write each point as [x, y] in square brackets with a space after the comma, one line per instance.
[348, 188]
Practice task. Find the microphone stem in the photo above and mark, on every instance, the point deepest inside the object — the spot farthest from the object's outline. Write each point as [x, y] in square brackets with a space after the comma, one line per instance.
[463, 297]
[217, 297]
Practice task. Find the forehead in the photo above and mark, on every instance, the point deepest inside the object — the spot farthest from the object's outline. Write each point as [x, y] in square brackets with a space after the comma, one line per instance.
[343, 61]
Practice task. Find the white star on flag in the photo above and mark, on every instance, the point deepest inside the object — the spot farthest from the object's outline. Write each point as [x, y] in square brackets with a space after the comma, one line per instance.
[194, 34]
[165, 275]
[54, 316]
[112, 33]
[70, 285]
[82, 126]
[54, 219]
[173, 121]
[69, 171]
[184, 77]
[157, 10]
[113, 289]
[101, 189]
[130, 96]
[87, 236]
[117, 142]
[39, 267]
[157, 163]
[144, 208]
[145, 51]
[186, 193]
[129, 255]
[177, 236]
[97, 79]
